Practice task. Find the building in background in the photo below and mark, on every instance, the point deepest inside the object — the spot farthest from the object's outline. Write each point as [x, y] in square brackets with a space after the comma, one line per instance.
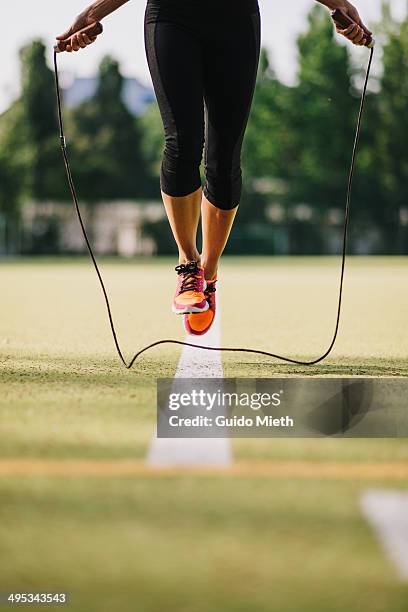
[136, 96]
[114, 228]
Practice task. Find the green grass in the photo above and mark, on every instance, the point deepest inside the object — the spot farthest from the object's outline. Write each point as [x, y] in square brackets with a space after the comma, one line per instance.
[183, 543]
[296, 305]
[187, 542]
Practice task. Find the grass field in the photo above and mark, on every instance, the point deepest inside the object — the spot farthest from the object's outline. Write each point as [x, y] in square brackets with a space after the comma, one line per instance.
[287, 536]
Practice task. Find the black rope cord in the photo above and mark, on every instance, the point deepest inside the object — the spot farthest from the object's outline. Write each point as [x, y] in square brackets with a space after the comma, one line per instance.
[129, 364]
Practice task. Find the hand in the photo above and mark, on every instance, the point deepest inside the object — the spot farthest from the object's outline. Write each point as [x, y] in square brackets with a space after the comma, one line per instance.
[357, 33]
[73, 39]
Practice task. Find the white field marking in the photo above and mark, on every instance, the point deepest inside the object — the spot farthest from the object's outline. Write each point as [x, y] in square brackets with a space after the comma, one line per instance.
[387, 511]
[188, 452]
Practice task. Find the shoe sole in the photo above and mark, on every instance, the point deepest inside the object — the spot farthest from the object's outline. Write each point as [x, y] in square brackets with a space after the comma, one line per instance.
[190, 310]
[196, 333]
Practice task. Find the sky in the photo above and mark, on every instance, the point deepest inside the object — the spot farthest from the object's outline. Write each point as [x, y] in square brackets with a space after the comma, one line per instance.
[123, 36]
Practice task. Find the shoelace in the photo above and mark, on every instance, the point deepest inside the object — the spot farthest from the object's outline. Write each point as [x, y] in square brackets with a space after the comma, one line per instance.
[191, 276]
[211, 288]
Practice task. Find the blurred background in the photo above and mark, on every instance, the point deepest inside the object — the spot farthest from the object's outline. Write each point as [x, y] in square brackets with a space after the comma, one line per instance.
[296, 153]
[282, 529]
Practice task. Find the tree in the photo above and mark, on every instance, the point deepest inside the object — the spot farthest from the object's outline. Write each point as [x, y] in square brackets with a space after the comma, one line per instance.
[267, 141]
[105, 139]
[324, 116]
[391, 151]
[9, 200]
[152, 145]
[265, 156]
[29, 129]
[36, 136]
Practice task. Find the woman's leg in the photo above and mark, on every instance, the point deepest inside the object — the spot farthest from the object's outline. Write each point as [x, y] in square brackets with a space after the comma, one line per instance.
[231, 64]
[183, 214]
[174, 55]
[216, 227]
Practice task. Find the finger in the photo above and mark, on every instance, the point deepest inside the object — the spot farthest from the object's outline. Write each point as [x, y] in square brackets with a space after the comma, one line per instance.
[349, 32]
[62, 46]
[346, 31]
[68, 48]
[75, 43]
[360, 36]
[366, 30]
[355, 32]
[66, 34]
[86, 39]
[81, 41]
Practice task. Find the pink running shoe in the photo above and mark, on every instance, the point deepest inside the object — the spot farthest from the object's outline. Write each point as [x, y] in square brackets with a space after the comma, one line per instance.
[189, 295]
[199, 324]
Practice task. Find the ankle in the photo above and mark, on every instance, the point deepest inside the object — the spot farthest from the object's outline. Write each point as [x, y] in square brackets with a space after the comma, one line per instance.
[189, 256]
[210, 269]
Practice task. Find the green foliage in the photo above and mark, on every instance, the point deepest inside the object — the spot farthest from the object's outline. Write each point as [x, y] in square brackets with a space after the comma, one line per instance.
[28, 135]
[152, 142]
[323, 116]
[106, 142]
[36, 133]
[9, 186]
[37, 83]
[267, 142]
[393, 127]
[299, 138]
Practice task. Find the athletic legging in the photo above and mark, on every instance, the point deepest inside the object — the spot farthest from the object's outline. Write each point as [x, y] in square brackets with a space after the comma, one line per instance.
[203, 58]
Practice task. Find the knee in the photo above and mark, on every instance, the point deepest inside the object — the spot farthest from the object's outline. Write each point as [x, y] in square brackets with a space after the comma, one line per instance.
[223, 185]
[180, 169]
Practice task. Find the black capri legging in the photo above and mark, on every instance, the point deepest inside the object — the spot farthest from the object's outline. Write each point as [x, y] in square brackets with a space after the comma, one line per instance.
[203, 59]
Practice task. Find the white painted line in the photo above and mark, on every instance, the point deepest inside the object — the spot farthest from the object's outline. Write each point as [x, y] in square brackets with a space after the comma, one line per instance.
[387, 511]
[195, 363]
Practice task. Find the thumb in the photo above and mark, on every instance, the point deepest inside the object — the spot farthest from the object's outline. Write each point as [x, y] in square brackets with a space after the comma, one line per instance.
[66, 34]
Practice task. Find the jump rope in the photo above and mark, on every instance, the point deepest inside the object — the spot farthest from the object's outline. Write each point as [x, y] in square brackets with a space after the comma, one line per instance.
[342, 20]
